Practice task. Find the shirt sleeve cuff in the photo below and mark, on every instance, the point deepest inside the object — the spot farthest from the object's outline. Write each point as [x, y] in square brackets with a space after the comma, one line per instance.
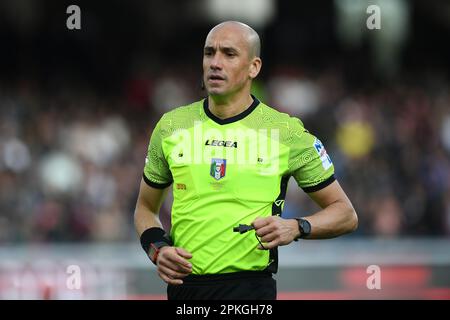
[320, 186]
[154, 184]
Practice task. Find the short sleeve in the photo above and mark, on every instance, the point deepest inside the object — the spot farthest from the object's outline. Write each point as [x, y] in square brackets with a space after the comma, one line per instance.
[309, 162]
[156, 170]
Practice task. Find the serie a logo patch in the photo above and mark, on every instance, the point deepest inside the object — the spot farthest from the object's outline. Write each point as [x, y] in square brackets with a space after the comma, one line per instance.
[324, 157]
[218, 168]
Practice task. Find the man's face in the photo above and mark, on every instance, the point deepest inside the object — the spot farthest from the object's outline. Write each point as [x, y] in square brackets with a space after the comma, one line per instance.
[226, 61]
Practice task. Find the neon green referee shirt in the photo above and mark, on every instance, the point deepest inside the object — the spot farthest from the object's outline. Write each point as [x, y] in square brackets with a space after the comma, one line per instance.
[229, 172]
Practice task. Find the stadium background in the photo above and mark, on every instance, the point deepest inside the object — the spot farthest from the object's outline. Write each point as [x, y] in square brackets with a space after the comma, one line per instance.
[77, 108]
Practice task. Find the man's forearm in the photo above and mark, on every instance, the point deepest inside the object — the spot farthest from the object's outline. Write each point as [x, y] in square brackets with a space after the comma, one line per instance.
[336, 219]
[144, 219]
[148, 203]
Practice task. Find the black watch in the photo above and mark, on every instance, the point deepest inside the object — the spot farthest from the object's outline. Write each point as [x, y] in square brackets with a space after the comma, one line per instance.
[153, 251]
[304, 227]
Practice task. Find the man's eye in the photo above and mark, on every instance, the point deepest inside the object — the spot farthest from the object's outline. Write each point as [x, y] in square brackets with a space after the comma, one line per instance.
[207, 53]
[231, 54]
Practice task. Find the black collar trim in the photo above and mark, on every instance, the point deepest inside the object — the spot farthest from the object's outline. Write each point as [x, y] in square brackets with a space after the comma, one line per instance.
[235, 118]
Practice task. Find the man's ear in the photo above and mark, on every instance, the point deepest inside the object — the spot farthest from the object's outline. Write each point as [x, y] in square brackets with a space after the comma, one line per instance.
[255, 67]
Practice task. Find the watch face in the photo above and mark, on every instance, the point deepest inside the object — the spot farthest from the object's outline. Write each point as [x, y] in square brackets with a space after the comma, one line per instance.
[306, 227]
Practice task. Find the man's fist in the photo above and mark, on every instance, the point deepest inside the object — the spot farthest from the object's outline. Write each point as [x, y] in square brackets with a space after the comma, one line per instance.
[275, 231]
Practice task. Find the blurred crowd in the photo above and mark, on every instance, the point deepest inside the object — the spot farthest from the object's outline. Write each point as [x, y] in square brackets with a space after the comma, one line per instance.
[391, 148]
[71, 160]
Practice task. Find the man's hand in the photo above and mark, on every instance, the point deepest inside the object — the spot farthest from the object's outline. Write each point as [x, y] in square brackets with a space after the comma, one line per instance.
[172, 265]
[275, 231]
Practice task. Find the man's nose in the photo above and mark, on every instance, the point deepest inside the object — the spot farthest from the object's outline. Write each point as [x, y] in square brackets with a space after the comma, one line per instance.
[216, 62]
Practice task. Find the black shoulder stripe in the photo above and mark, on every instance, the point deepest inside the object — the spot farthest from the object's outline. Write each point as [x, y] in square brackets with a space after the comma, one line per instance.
[156, 185]
[320, 186]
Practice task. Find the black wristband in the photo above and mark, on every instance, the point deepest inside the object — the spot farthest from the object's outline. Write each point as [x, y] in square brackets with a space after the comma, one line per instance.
[153, 235]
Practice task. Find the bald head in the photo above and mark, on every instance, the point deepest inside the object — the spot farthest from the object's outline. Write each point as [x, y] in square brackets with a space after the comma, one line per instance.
[231, 60]
[251, 36]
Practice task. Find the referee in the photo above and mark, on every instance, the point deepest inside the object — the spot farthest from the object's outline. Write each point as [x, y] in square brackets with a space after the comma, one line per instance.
[228, 159]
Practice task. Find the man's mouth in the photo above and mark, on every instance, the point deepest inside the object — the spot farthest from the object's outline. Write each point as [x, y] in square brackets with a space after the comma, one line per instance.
[216, 77]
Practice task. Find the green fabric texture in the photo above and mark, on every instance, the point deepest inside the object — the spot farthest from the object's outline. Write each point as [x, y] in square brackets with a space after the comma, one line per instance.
[227, 174]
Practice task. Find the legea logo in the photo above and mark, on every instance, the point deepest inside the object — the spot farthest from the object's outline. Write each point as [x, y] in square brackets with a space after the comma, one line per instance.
[237, 146]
